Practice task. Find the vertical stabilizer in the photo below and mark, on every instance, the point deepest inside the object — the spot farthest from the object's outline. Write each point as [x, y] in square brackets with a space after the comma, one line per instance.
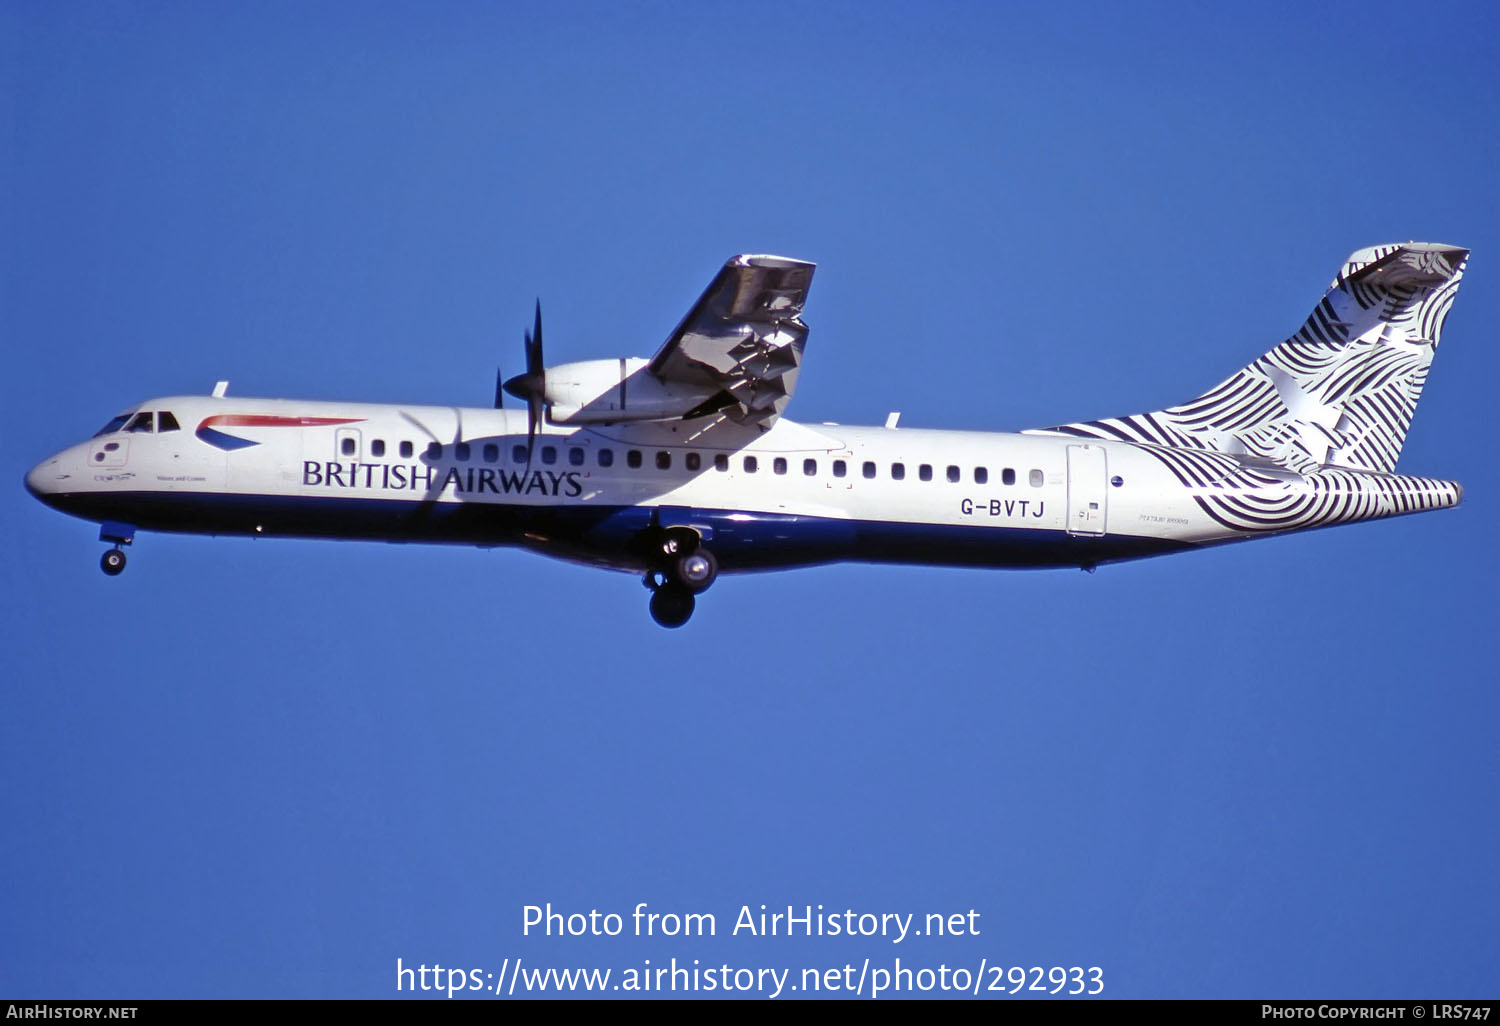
[1339, 393]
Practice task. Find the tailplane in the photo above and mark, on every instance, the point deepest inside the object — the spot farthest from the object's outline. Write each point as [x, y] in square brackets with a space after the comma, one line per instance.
[1341, 392]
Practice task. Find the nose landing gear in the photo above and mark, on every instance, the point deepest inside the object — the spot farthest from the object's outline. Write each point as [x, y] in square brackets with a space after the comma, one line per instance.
[112, 562]
[684, 568]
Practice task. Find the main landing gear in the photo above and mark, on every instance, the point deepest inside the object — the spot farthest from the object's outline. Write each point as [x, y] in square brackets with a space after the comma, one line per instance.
[684, 568]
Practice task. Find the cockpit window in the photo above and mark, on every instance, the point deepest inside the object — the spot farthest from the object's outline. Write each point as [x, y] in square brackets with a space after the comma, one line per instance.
[140, 422]
[166, 422]
[114, 425]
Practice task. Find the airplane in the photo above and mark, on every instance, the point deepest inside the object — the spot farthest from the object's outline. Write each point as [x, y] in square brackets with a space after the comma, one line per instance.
[682, 467]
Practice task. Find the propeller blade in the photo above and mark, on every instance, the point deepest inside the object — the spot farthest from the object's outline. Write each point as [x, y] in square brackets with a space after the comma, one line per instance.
[499, 389]
[531, 386]
[534, 363]
[533, 417]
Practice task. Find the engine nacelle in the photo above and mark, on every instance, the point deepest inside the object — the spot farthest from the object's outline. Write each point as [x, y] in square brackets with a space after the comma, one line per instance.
[602, 391]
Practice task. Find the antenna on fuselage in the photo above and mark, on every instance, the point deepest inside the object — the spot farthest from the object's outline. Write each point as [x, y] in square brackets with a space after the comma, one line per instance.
[220, 388]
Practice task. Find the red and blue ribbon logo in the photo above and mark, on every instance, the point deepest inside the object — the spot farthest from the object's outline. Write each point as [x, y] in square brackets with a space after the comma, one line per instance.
[222, 440]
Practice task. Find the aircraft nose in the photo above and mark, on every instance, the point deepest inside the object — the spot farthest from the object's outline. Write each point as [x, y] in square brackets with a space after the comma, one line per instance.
[41, 480]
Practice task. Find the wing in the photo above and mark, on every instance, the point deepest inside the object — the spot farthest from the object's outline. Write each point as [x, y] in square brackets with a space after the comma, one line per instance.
[743, 340]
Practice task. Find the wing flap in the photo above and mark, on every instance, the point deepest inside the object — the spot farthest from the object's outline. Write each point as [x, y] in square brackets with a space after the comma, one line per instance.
[743, 338]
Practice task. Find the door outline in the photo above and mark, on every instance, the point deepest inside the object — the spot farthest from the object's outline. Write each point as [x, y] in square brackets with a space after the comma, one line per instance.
[1088, 490]
[111, 451]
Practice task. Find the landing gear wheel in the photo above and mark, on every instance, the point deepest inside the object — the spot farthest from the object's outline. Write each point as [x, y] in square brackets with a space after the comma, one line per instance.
[112, 562]
[696, 570]
[672, 605]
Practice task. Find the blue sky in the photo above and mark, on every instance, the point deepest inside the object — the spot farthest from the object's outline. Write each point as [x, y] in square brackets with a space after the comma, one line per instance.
[271, 768]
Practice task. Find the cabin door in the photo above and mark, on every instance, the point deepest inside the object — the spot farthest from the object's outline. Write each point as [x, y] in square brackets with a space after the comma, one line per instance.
[1088, 481]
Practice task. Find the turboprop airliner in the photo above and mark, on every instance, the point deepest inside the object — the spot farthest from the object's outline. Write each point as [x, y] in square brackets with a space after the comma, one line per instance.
[682, 467]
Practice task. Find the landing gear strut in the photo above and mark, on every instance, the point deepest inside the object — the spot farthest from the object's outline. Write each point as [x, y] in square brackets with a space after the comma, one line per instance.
[684, 567]
[113, 561]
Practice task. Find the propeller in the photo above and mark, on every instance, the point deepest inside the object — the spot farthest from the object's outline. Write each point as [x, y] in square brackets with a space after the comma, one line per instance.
[531, 386]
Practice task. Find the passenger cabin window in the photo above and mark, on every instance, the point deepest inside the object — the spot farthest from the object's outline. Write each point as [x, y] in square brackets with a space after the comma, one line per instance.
[810, 468]
[140, 422]
[869, 469]
[166, 422]
[898, 471]
[549, 454]
[462, 452]
[491, 452]
[518, 454]
[575, 456]
[346, 446]
[840, 468]
[434, 450]
[633, 459]
[721, 462]
[663, 460]
[981, 475]
[606, 457]
[953, 474]
[924, 472]
[751, 464]
[377, 447]
[1008, 476]
[406, 450]
[779, 465]
[1036, 479]
[693, 461]
[115, 424]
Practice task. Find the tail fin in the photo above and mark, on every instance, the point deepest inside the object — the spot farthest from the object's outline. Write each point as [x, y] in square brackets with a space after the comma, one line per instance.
[1342, 391]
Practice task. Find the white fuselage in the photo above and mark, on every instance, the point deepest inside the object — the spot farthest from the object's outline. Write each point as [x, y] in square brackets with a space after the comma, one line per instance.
[792, 495]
